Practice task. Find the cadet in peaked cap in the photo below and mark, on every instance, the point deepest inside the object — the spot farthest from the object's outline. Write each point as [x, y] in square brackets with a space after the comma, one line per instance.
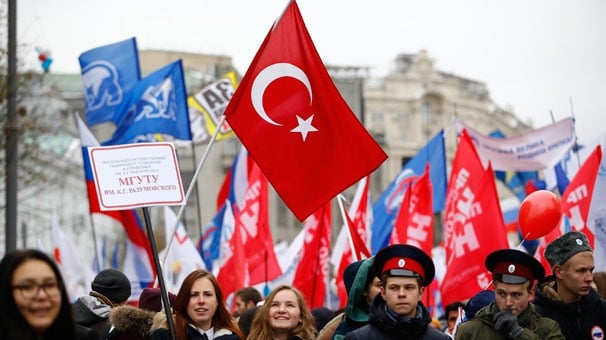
[513, 266]
[406, 261]
[510, 315]
[398, 313]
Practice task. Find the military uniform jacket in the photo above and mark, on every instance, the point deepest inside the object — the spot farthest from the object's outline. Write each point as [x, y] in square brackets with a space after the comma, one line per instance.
[383, 326]
[482, 326]
[579, 320]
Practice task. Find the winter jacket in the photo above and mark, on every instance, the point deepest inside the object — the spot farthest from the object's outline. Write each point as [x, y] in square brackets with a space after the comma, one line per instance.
[92, 313]
[382, 325]
[159, 331]
[579, 320]
[130, 323]
[482, 326]
[356, 311]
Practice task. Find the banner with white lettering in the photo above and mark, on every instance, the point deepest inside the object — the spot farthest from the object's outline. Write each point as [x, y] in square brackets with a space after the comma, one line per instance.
[136, 175]
[535, 150]
[473, 224]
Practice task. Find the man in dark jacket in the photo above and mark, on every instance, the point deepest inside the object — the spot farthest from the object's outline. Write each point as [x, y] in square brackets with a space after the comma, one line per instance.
[397, 312]
[567, 295]
[511, 315]
[110, 288]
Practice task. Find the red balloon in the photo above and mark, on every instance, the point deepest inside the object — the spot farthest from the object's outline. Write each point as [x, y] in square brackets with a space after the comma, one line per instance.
[42, 57]
[540, 212]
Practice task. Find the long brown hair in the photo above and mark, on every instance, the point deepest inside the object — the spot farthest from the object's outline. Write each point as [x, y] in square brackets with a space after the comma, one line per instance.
[260, 328]
[221, 320]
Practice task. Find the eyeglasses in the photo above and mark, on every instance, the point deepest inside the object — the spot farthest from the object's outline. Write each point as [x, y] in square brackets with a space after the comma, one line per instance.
[31, 290]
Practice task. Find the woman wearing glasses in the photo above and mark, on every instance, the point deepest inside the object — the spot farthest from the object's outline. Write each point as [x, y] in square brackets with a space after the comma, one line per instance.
[33, 298]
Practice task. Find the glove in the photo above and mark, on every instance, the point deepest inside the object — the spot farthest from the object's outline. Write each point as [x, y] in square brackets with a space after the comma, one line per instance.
[507, 323]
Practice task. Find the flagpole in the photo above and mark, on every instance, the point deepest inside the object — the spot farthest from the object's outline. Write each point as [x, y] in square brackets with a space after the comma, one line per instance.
[354, 253]
[94, 234]
[193, 156]
[160, 275]
[191, 186]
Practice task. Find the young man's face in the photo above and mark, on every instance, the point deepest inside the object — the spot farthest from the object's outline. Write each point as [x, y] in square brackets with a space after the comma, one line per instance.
[514, 297]
[240, 305]
[402, 294]
[451, 319]
[576, 274]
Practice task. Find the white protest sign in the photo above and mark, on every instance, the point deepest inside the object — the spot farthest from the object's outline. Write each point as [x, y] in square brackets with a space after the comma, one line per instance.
[136, 175]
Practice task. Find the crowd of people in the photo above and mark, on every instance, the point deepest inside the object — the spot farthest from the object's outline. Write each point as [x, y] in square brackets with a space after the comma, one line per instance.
[384, 302]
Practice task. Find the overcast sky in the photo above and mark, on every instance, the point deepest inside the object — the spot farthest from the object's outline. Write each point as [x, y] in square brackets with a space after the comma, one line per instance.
[535, 56]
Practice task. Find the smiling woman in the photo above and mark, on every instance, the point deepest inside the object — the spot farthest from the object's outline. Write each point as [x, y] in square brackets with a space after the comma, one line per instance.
[33, 299]
[199, 312]
[284, 315]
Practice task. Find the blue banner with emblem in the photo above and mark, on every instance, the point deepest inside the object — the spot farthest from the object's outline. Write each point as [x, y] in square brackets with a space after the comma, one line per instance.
[156, 106]
[109, 72]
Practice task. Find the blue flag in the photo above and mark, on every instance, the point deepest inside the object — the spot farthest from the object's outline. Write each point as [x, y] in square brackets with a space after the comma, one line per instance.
[156, 105]
[385, 209]
[108, 73]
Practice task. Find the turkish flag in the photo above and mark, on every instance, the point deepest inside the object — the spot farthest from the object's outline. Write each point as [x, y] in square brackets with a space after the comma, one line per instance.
[295, 124]
[473, 224]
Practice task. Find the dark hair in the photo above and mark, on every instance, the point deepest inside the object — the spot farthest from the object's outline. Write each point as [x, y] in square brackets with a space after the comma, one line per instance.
[453, 307]
[12, 323]
[249, 294]
[245, 320]
[221, 319]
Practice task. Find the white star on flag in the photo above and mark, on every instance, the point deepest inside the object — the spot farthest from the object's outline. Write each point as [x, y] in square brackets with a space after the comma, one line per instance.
[304, 126]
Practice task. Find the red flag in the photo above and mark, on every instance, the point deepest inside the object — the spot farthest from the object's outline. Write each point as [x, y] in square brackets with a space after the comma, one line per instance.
[414, 223]
[232, 273]
[295, 124]
[311, 277]
[252, 218]
[473, 224]
[357, 231]
[575, 201]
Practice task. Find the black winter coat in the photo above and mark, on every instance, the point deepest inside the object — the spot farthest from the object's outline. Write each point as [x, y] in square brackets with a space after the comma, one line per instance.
[579, 320]
[381, 325]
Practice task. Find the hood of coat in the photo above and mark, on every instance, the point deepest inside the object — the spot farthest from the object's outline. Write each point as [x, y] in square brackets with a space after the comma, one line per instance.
[130, 319]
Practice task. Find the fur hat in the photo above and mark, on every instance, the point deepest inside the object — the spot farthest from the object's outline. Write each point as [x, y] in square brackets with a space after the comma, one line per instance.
[566, 246]
[112, 284]
[151, 299]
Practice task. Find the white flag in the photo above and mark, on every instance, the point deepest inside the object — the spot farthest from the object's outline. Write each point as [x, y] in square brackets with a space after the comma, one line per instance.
[76, 275]
[182, 257]
[532, 151]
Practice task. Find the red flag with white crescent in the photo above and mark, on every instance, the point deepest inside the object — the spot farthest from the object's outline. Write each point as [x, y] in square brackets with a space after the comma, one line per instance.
[295, 124]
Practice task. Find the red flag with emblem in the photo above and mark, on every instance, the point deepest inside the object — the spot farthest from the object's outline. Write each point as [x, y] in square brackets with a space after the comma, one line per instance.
[233, 272]
[252, 218]
[473, 224]
[414, 223]
[311, 277]
[295, 124]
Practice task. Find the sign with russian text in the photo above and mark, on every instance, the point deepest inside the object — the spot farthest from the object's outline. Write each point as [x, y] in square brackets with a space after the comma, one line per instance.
[136, 175]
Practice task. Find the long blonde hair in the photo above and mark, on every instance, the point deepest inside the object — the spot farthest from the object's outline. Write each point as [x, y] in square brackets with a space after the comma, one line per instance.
[260, 329]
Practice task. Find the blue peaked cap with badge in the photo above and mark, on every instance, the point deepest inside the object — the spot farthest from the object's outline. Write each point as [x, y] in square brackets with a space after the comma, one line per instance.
[406, 261]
